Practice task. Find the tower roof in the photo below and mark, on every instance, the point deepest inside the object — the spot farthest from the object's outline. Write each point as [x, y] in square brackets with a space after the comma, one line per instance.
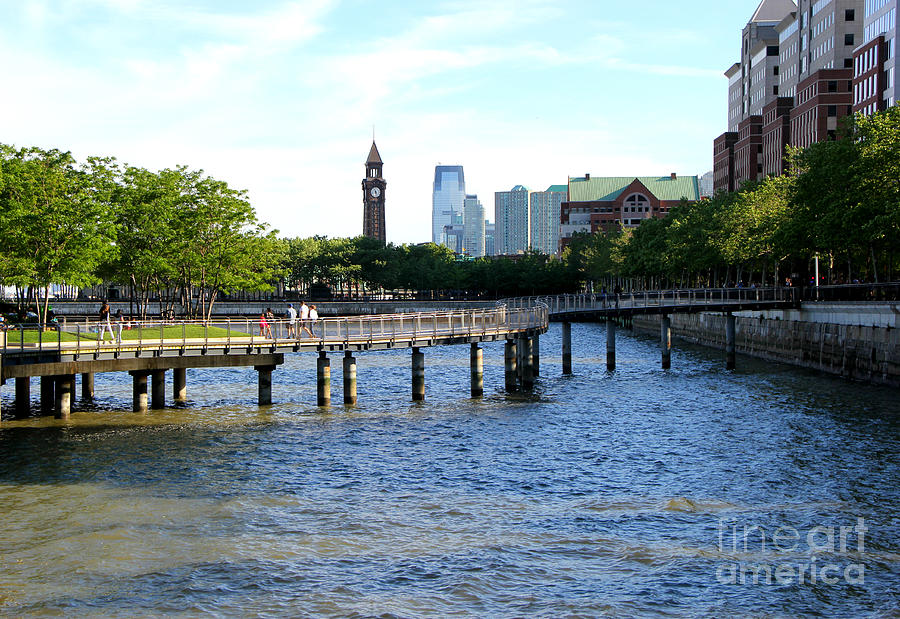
[374, 157]
[773, 10]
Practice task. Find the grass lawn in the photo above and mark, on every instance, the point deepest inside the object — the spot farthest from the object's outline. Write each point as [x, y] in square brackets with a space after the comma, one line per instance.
[174, 332]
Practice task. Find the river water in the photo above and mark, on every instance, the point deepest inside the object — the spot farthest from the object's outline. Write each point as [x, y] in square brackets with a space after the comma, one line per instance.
[640, 492]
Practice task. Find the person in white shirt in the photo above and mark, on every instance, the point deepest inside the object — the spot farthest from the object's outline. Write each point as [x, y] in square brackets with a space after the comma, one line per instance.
[304, 320]
[313, 319]
[292, 320]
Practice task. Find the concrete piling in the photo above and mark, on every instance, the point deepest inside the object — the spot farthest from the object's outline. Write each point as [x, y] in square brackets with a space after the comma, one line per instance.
[23, 397]
[65, 389]
[536, 355]
[527, 363]
[665, 341]
[179, 385]
[323, 380]
[48, 395]
[87, 386]
[139, 391]
[350, 397]
[476, 365]
[610, 345]
[158, 389]
[264, 386]
[567, 347]
[510, 354]
[418, 375]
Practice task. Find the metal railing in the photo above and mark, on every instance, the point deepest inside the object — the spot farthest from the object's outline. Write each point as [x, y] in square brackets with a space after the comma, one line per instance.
[646, 299]
[92, 335]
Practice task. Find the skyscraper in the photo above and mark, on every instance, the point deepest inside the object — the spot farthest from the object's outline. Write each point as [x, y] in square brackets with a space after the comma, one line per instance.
[446, 199]
[474, 227]
[511, 214]
[544, 218]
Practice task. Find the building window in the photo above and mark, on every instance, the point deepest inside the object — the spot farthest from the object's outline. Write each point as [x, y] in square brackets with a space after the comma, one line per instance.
[832, 110]
[848, 38]
[832, 86]
[849, 15]
[775, 70]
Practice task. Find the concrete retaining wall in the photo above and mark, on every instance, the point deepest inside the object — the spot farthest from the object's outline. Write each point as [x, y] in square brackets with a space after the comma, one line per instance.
[858, 341]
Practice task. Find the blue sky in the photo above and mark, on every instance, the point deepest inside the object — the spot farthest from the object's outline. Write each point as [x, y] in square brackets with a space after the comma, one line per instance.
[280, 97]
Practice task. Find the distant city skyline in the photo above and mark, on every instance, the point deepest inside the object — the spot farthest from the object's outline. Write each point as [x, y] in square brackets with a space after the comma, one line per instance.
[280, 97]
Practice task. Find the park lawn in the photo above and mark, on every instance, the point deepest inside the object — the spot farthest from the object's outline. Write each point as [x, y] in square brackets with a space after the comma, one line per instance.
[173, 332]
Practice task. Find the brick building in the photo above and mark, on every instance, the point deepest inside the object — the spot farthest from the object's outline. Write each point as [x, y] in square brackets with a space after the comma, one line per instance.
[606, 203]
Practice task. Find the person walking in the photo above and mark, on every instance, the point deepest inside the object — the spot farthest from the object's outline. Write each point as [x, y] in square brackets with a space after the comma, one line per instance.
[313, 319]
[292, 320]
[120, 322]
[270, 318]
[104, 322]
[304, 320]
[264, 329]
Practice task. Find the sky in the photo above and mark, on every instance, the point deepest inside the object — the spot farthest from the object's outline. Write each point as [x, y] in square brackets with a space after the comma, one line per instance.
[281, 97]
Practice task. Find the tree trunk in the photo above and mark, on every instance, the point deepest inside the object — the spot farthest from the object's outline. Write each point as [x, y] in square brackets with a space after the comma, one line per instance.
[874, 263]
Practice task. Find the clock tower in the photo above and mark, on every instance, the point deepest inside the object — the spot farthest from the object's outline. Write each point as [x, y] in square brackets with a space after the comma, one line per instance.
[373, 186]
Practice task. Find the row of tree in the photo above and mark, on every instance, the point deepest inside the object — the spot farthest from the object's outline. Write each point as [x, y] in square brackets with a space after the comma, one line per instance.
[839, 203]
[174, 234]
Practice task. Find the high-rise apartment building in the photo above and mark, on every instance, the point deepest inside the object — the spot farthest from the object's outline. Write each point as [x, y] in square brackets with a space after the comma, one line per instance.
[874, 59]
[544, 218]
[447, 200]
[490, 248]
[791, 87]
[511, 216]
[473, 237]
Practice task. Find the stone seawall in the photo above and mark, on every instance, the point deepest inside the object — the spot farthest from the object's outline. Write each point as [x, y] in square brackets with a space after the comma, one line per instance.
[857, 341]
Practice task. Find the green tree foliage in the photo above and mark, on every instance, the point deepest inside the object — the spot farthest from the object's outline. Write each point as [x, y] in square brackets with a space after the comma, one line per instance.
[55, 218]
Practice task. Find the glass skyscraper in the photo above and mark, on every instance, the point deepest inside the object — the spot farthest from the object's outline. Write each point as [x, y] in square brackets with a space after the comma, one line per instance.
[447, 200]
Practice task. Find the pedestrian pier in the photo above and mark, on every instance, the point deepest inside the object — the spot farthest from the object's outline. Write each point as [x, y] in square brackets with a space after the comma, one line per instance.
[621, 308]
[150, 350]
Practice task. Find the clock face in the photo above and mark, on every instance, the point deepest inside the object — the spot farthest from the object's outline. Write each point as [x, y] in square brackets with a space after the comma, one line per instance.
[375, 192]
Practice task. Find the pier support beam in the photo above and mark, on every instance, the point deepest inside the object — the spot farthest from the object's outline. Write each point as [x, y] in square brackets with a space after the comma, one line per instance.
[48, 395]
[476, 365]
[139, 391]
[567, 347]
[65, 389]
[349, 379]
[23, 396]
[510, 354]
[323, 380]
[179, 384]
[536, 355]
[665, 341]
[158, 389]
[610, 345]
[87, 386]
[527, 363]
[264, 384]
[729, 341]
[418, 375]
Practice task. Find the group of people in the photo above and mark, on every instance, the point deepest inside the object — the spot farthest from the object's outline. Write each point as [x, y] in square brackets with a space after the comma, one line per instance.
[297, 322]
[106, 323]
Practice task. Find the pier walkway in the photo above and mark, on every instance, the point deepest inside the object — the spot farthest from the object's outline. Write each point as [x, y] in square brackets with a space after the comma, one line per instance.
[58, 353]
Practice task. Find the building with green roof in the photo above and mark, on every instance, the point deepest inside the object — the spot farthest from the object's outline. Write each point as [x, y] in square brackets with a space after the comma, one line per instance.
[610, 202]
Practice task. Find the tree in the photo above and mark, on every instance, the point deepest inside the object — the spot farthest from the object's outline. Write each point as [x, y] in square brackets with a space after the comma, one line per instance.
[55, 218]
